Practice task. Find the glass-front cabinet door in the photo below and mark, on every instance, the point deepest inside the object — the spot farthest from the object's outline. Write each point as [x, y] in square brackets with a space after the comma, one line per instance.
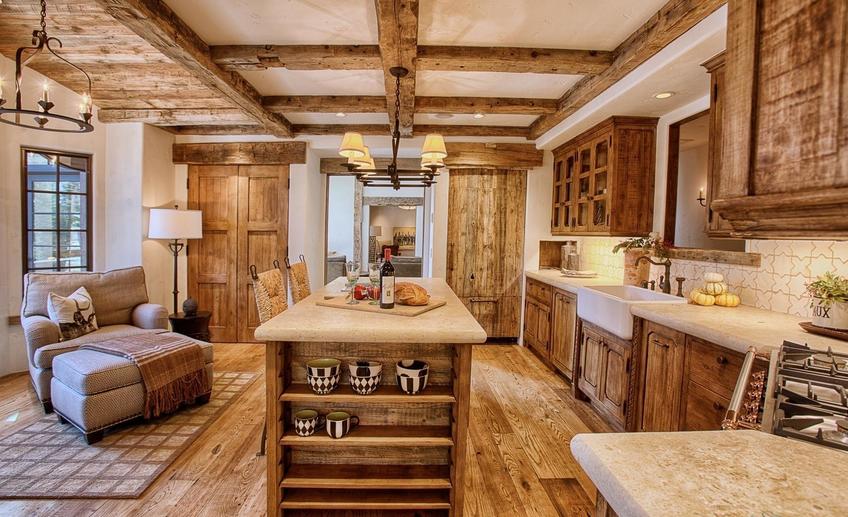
[599, 197]
[583, 187]
[562, 213]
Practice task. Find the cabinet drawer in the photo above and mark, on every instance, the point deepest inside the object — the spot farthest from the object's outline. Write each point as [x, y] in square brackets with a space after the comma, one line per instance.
[713, 366]
[705, 409]
[539, 291]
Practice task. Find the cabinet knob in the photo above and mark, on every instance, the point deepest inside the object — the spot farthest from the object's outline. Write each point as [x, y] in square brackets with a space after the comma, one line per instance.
[659, 343]
[718, 406]
[721, 359]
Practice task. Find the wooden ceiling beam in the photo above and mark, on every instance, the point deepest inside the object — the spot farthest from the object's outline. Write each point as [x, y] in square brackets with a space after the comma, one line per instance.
[672, 20]
[419, 130]
[297, 57]
[176, 117]
[375, 104]
[462, 155]
[157, 24]
[217, 130]
[513, 59]
[397, 25]
[326, 104]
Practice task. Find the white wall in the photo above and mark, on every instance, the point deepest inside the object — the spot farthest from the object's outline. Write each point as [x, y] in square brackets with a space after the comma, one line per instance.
[340, 216]
[307, 214]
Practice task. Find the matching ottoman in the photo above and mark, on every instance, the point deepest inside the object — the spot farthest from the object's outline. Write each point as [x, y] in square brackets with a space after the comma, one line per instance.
[95, 391]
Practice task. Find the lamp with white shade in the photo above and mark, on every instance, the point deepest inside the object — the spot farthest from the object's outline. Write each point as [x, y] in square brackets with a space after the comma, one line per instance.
[172, 224]
[374, 231]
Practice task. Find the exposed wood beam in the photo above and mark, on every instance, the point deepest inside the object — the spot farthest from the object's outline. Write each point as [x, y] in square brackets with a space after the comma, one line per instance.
[245, 153]
[382, 130]
[156, 23]
[217, 130]
[297, 57]
[375, 104]
[177, 117]
[513, 59]
[462, 155]
[672, 20]
[397, 25]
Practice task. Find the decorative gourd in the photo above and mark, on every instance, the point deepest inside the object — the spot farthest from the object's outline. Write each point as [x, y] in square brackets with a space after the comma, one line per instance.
[713, 277]
[701, 298]
[727, 300]
[715, 288]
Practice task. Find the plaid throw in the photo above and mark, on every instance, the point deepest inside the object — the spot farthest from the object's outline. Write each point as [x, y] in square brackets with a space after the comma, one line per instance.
[172, 368]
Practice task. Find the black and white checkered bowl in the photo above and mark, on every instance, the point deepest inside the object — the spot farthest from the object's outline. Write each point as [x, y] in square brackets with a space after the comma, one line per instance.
[365, 385]
[365, 368]
[323, 385]
[325, 367]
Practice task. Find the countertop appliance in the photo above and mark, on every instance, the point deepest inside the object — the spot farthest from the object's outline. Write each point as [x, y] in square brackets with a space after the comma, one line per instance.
[803, 394]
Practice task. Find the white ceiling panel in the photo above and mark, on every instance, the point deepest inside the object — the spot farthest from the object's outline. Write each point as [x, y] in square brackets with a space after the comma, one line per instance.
[331, 118]
[581, 24]
[492, 84]
[280, 81]
[280, 22]
[469, 120]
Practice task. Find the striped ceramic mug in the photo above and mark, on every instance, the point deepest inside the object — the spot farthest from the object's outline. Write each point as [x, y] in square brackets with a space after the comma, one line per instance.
[339, 423]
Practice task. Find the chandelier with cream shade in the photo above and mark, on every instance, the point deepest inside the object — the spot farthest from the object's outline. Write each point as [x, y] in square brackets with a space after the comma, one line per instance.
[361, 164]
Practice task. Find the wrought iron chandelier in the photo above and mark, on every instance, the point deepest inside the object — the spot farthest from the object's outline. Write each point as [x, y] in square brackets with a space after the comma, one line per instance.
[361, 164]
[20, 116]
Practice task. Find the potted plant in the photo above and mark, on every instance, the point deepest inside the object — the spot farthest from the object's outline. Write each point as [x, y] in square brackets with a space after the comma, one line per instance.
[829, 302]
[636, 247]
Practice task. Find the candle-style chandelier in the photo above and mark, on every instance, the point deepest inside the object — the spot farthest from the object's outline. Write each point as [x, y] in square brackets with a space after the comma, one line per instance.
[360, 162]
[40, 119]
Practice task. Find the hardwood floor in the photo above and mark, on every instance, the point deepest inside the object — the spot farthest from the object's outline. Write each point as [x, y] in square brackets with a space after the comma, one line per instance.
[522, 418]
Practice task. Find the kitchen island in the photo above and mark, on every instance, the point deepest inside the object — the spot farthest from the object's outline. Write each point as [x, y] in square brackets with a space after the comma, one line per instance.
[409, 451]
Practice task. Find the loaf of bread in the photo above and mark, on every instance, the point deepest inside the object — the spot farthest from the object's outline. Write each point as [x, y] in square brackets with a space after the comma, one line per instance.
[407, 293]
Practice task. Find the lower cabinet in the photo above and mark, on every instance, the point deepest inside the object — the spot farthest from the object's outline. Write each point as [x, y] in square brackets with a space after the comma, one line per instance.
[498, 315]
[562, 331]
[664, 351]
[550, 318]
[537, 318]
[604, 373]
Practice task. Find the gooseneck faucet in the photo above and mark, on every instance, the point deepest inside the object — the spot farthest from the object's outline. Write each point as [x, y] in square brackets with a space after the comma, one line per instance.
[665, 280]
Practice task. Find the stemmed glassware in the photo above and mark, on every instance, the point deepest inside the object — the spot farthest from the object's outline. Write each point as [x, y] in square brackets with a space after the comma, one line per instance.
[374, 277]
[352, 276]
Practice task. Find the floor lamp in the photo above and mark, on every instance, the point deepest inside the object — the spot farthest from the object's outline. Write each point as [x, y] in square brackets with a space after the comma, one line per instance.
[373, 233]
[172, 224]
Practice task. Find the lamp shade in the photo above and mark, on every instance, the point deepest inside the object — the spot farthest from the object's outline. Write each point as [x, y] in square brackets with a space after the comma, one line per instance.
[428, 161]
[364, 161]
[352, 145]
[170, 224]
[434, 147]
[375, 231]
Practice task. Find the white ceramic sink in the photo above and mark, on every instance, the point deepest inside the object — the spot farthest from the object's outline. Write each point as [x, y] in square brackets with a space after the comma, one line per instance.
[608, 306]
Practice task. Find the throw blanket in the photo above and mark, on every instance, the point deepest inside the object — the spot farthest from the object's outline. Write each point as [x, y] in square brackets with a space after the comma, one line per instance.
[172, 368]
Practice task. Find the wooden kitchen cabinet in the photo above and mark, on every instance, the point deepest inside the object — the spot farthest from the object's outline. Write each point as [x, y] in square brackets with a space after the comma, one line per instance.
[564, 321]
[603, 180]
[537, 318]
[717, 226]
[664, 351]
[784, 147]
[604, 375]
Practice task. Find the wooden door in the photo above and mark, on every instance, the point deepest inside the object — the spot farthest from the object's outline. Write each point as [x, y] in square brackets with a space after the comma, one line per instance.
[615, 358]
[213, 260]
[591, 349]
[664, 371]
[562, 332]
[262, 233]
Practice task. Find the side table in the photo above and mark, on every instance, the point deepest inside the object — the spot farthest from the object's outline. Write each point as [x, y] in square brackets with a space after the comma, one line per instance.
[196, 326]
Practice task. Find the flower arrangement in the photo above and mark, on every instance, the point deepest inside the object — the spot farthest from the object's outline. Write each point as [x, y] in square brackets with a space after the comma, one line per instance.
[653, 243]
[828, 289]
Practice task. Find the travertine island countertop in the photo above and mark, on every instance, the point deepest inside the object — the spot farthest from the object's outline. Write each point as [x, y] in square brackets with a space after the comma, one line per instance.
[736, 328]
[306, 321]
[555, 278]
[714, 473]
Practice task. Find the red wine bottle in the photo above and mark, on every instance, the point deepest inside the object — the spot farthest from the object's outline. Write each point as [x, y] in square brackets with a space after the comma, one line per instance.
[387, 281]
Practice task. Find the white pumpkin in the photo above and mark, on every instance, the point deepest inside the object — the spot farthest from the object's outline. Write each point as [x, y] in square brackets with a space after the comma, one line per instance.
[715, 288]
[713, 277]
[701, 298]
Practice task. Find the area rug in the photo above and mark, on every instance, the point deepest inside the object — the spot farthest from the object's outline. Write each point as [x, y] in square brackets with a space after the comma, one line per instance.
[51, 460]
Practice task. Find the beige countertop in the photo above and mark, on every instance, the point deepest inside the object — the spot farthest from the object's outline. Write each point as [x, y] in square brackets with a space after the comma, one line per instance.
[306, 321]
[736, 328]
[714, 473]
[555, 278]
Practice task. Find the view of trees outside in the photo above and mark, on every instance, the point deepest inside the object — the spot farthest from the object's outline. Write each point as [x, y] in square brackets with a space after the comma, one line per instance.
[57, 211]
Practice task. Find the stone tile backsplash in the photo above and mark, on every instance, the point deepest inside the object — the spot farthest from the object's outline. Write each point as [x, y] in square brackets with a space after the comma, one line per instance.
[777, 285]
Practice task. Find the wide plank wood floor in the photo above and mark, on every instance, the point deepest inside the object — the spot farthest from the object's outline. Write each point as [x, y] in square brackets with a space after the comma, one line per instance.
[522, 418]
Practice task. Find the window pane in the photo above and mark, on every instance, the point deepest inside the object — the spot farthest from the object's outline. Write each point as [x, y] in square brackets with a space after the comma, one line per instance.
[42, 250]
[42, 210]
[72, 215]
[72, 173]
[41, 171]
[72, 247]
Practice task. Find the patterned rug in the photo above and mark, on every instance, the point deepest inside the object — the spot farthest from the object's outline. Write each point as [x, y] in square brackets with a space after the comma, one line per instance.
[51, 460]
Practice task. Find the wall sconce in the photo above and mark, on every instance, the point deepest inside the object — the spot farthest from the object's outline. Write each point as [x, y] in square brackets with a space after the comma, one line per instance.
[701, 198]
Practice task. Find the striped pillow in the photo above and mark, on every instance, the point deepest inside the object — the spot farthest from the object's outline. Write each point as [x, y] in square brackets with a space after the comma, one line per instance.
[74, 314]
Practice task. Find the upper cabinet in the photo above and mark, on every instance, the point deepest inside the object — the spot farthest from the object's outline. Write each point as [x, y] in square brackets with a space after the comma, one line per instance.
[717, 226]
[784, 163]
[603, 180]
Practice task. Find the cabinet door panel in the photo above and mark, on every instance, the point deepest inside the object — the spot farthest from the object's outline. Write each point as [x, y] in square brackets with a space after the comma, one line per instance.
[591, 348]
[531, 323]
[664, 370]
[543, 330]
[616, 379]
[562, 333]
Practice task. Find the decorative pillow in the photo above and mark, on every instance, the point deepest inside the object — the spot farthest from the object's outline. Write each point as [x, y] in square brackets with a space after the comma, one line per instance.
[74, 314]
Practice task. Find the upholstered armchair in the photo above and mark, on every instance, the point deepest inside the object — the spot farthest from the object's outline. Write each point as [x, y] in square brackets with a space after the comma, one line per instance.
[120, 303]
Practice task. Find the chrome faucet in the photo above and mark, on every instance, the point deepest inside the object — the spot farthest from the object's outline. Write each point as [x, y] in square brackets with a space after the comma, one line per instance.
[665, 280]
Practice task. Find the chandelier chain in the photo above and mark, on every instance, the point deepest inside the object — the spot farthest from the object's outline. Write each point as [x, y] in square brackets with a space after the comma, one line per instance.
[44, 16]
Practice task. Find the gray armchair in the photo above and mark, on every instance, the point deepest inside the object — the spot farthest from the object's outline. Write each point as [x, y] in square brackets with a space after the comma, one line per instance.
[120, 303]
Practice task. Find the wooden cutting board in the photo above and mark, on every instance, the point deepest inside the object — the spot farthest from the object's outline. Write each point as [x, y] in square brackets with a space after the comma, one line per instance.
[340, 302]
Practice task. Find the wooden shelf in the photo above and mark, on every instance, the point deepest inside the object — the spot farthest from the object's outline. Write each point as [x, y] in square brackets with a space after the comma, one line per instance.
[396, 477]
[387, 394]
[306, 498]
[376, 436]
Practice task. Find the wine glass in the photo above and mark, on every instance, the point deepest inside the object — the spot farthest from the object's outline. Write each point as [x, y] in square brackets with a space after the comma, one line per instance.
[374, 277]
[352, 277]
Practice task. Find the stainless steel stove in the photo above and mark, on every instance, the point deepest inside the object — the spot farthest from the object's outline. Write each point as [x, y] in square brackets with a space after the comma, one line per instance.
[802, 395]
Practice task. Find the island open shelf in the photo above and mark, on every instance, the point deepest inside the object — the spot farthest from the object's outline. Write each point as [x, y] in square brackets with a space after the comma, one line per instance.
[408, 454]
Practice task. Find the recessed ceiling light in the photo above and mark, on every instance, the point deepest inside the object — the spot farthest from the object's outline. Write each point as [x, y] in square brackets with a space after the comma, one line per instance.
[443, 115]
[479, 115]
[340, 115]
[663, 95]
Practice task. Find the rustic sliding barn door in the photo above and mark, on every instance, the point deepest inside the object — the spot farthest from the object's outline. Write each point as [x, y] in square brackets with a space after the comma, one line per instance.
[245, 221]
[485, 245]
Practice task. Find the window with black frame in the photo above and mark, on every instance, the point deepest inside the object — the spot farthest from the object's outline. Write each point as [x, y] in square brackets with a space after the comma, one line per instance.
[56, 210]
